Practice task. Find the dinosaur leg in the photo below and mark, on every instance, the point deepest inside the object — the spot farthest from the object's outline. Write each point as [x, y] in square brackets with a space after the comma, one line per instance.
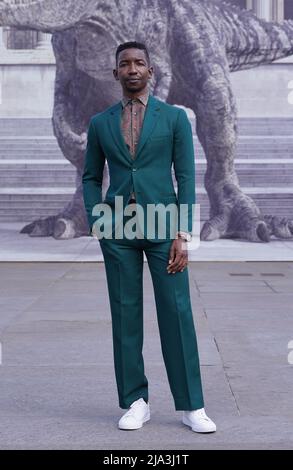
[71, 115]
[233, 214]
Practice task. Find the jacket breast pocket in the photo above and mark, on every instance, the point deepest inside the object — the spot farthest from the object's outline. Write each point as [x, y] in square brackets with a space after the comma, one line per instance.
[159, 137]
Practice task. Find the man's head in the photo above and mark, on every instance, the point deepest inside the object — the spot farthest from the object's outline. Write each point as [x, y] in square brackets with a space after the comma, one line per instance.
[133, 68]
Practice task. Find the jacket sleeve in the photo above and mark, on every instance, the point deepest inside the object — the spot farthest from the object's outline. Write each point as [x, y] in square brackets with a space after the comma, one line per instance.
[92, 177]
[184, 168]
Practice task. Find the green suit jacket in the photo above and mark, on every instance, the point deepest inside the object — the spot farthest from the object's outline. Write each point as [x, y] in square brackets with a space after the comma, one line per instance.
[165, 140]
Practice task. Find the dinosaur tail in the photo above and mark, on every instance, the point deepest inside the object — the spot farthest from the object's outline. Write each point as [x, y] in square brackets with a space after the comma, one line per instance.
[252, 41]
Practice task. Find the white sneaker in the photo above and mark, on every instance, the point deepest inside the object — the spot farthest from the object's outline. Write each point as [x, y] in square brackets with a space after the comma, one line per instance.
[136, 416]
[198, 421]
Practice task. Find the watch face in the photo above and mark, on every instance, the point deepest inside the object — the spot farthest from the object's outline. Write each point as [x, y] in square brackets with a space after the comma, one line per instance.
[185, 236]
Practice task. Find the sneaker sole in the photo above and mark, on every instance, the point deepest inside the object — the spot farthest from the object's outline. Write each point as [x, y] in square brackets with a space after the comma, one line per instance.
[137, 427]
[187, 422]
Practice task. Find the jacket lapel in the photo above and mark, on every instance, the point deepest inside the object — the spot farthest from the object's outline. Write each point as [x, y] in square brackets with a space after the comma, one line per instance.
[151, 118]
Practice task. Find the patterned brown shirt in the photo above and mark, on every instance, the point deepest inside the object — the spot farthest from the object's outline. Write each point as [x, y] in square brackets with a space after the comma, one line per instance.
[132, 116]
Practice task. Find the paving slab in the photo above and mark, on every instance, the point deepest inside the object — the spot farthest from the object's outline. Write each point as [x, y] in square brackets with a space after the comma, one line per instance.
[57, 382]
[15, 246]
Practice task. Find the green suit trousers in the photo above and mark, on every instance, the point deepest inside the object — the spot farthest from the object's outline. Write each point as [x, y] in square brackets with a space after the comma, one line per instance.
[124, 271]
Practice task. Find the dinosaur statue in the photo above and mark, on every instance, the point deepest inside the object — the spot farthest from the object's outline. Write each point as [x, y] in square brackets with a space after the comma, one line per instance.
[194, 45]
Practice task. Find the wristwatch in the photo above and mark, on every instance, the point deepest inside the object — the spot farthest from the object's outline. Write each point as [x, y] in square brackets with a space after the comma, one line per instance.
[185, 236]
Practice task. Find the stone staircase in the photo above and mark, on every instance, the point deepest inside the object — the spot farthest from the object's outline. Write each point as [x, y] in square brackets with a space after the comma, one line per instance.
[36, 180]
[264, 164]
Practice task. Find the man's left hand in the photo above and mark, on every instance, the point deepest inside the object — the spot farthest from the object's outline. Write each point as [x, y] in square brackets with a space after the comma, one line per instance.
[178, 257]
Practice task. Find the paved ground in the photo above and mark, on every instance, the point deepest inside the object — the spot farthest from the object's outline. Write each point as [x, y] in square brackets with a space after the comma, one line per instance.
[15, 246]
[57, 385]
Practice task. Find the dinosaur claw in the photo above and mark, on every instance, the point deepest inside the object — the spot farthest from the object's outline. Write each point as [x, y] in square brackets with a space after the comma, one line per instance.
[290, 226]
[263, 232]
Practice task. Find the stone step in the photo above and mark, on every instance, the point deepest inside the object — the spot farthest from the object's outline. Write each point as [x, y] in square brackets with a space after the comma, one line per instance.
[21, 207]
[25, 152]
[198, 155]
[45, 145]
[43, 126]
[19, 140]
[40, 155]
[245, 147]
[29, 146]
[32, 142]
[261, 126]
[53, 174]
[37, 181]
[48, 154]
[253, 155]
[36, 163]
[26, 126]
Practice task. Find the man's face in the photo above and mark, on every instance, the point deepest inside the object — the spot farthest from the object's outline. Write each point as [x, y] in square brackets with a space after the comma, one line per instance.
[132, 70]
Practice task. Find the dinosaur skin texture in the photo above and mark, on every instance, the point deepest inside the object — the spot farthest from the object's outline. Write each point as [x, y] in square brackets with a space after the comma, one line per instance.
[194, 46]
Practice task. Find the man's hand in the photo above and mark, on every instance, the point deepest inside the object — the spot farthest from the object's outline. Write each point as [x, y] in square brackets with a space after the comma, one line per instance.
[178, 257]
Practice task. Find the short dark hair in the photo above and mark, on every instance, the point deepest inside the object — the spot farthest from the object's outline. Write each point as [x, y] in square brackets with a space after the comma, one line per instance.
[136, 45]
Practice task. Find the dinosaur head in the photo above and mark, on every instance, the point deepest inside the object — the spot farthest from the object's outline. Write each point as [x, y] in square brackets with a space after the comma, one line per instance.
[45, 15]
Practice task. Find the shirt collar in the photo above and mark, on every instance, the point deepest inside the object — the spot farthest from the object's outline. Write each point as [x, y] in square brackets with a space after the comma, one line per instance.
[143, 98]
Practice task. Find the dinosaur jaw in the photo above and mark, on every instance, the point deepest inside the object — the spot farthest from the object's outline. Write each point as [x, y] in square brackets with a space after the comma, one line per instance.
[45, 15]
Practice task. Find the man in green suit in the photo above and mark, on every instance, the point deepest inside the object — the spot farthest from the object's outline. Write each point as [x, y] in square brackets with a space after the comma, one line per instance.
[141, 137]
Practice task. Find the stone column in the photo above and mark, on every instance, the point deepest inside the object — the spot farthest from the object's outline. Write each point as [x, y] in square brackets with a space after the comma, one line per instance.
[278, 10]
[263, 9]
[2, 45]
[269, 10]
[249, 4]
[44, 41]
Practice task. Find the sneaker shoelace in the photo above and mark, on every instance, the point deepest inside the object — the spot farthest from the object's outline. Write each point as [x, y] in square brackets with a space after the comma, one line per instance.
[201, 414]
[131, 410]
